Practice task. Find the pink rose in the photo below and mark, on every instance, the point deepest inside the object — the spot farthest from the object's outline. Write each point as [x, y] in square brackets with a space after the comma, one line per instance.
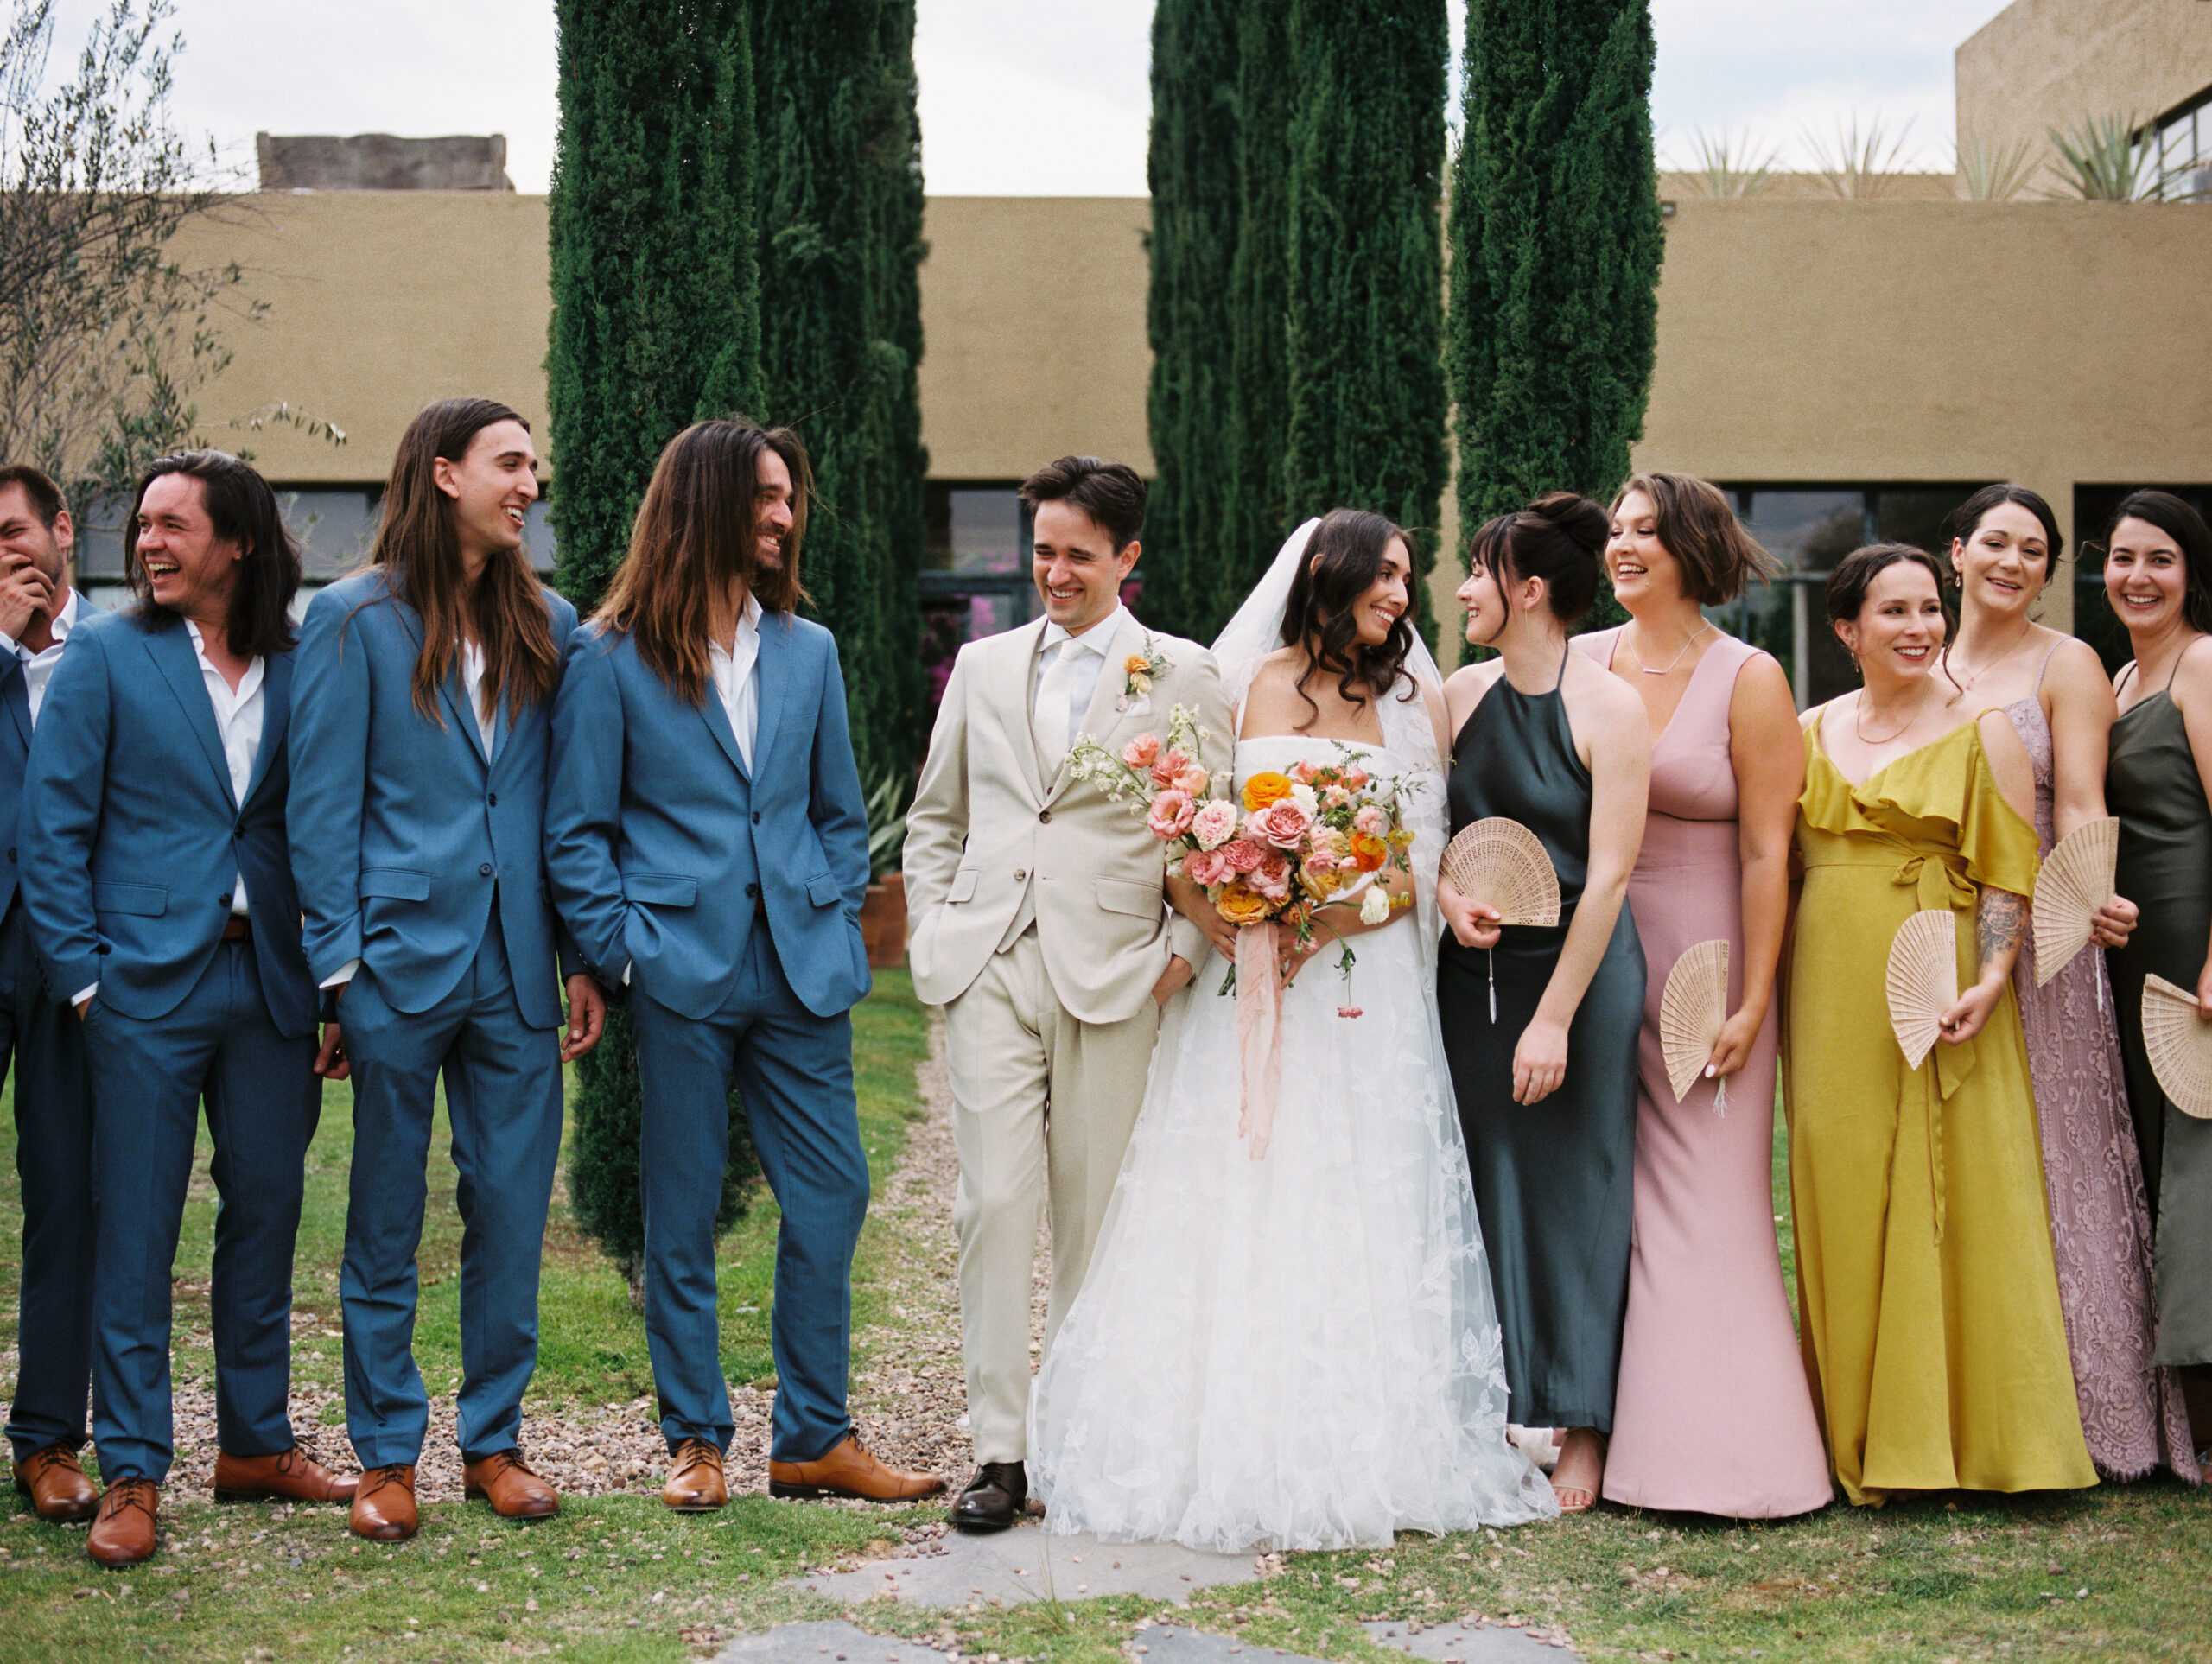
[1171, 814]
[1194, 780]
[1206, 868]
[1283, 824]
[1243, 855]
[1302, 773]
[1355, 778]
[1271, 878]
[1370, 821]
[1214, 824]
[1167, 766]
[1336, 797]
[1140, 750]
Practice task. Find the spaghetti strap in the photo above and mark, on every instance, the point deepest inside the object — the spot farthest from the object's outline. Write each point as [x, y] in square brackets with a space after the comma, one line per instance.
[2175, 670]
[2041, 670]
[2126, 671]
[1558, 683]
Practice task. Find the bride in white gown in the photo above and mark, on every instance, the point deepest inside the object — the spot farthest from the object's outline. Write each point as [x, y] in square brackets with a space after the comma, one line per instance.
[1300, 1352]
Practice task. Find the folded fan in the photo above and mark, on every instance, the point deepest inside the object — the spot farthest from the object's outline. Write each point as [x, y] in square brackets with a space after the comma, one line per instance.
[1923, 980]
[2179, 1042]
[2076, 878]
[1501, 864]
[1693, 1007]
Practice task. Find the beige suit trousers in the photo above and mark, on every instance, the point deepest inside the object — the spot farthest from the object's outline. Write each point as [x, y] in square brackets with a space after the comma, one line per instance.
[1042, 1107]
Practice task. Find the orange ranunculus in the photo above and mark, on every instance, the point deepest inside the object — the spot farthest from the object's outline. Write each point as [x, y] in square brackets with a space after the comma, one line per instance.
[1369, 852]
[1265, 788]
[1240, 904]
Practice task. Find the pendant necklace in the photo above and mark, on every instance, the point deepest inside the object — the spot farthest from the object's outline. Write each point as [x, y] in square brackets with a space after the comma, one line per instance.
[1975, 676]
[1696, 636]
[1858, 719]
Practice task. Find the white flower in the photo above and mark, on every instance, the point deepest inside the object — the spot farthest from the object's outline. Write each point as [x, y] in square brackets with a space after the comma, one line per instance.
[1374, 905]
[1304, 798]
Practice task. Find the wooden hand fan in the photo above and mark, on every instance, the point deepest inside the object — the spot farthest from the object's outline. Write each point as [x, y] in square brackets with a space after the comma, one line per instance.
[2075, 880]
[1693, 1006]
[1923, 980]
[1501, 864]
[2179, 1042]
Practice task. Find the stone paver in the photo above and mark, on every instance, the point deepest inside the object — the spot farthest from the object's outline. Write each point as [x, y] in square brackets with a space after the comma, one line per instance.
[1011, 1567]
[826, 1643]
[1468, 1641]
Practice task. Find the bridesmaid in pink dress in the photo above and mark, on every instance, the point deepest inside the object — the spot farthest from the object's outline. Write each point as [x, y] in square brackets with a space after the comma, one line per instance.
[1712, 1414]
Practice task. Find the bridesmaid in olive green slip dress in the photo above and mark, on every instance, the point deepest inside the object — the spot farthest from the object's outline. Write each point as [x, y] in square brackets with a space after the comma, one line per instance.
[2159, 578]
[1547, 1085]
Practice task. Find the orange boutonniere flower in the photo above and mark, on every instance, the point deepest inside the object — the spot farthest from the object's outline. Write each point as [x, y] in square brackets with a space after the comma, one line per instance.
[1265, 788]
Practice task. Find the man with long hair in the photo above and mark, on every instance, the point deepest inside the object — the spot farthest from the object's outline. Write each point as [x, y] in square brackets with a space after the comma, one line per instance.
[41, 1036]
[419, 754]
[161, 902]
[707, 845]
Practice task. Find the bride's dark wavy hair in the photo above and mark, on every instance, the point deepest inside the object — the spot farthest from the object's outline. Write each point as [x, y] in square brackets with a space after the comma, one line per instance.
[1343, 560]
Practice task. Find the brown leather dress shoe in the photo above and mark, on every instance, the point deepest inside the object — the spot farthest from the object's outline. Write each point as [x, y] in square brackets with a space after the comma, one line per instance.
[504, 1481]
[123, 1531]
[289, 1476]
[696, 1484]
[56, 1483]
[850, 1470]
[384, 1505]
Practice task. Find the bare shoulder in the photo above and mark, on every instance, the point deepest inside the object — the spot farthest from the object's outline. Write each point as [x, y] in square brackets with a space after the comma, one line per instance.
[2074, 667]
[1586, 679]
[1760, 676]
[1810, 721]
[2191, 687]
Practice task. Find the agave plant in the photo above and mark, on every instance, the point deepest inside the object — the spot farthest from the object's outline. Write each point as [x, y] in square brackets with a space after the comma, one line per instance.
[1994, 173]
[886, 822]
[1729, 166]
[1856, 165]
[2103, 159]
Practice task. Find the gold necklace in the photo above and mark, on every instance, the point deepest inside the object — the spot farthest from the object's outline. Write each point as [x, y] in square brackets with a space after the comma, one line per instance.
[1858, 719]
[1973, 676]
[1696, 636]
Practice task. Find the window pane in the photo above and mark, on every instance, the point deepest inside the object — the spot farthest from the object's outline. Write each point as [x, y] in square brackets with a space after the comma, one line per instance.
[333, 528]
[1919, 514]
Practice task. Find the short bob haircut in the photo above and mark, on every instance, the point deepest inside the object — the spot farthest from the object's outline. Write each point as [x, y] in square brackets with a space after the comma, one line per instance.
[1718, 558]
[243, 511]
[2186, 527]
[1558, 539]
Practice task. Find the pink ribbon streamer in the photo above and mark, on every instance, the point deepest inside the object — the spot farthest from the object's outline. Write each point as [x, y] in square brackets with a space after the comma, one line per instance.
[1259, 1035]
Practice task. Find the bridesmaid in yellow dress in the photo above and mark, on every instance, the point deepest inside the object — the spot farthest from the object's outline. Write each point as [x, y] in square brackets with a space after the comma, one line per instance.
[1927, 1296]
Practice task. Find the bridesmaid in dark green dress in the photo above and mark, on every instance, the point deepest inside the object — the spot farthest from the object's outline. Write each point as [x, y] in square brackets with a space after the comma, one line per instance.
[2159, 578]
[1546, 1080]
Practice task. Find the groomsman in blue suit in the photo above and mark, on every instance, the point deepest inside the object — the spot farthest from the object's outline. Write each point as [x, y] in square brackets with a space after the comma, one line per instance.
[419, 746]
[161, 900]
[40, 1035]
[708, 847]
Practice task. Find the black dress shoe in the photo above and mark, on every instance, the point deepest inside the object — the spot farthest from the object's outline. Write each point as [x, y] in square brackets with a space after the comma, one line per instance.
[994, 1499]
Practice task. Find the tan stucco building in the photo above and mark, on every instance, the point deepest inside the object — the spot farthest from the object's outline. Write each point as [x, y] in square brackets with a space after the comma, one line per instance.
[1848, 367]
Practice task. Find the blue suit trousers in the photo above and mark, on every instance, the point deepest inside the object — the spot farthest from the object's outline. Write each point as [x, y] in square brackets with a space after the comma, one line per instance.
[503, 1098]
[53, 1160]
[148, 1078]
[794, 1071]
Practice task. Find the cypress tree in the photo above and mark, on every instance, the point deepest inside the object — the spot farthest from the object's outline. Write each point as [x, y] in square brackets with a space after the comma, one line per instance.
[840, 245]
[1365, 277]
[655, 322]
[1191, 312]
[1555, 251]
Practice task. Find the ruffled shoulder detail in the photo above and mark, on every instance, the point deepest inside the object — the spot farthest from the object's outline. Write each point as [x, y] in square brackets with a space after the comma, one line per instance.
[1940, 799]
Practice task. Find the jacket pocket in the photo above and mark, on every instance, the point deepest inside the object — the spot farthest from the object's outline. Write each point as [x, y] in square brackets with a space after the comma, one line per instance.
[822, 891]
[396, 882]
[963, 886]
[146, 899]
[1130, 897]
[661, 889]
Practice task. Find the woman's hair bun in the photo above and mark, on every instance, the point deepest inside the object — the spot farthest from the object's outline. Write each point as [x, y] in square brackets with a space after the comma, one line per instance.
[1578, 517]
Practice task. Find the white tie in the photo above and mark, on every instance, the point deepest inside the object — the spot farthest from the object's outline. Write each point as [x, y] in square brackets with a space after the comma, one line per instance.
[1055, 703]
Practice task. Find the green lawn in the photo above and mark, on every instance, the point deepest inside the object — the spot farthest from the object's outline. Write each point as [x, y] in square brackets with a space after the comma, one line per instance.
[2115, 1573]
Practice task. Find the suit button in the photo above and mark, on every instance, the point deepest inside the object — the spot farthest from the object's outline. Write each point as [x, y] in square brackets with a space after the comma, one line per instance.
[1021, 875]
[752, 889]
[1044, 817]
[484, 869]
[493, 800]
[12, 854]
[756, 821]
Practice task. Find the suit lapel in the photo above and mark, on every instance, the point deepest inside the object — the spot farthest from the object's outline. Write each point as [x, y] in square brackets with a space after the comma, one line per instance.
[717, 720]
[16, 694]
[769, 676]
[1016, 661]
[171, 652]
[1104, 695]
[275, 715]
[454, 691]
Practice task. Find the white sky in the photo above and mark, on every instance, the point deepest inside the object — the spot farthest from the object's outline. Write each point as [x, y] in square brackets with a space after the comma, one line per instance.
[1019, 96]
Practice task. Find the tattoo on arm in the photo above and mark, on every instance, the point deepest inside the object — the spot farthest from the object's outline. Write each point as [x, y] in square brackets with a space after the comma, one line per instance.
[1998, 923]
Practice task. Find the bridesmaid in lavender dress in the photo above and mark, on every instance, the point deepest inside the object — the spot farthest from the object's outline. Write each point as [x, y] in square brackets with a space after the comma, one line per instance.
[1712, 1414]
[2053, 689]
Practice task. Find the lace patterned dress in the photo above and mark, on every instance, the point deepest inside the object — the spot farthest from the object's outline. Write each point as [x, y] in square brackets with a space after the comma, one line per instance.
[2133, 1415]
[1300, 1352]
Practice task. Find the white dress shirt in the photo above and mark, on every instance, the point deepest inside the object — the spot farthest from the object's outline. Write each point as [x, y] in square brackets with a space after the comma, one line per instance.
[1085, 656]
[238, 715]
[737, 681]
[38, 668]
[472, 677]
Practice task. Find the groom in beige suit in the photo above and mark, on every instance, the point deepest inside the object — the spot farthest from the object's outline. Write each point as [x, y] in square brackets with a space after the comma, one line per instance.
[1042, 924]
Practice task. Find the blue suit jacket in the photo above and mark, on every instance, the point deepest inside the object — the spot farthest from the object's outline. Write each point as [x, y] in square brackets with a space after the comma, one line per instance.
[14, 756]
[130, 837]
[658, 839]
[401, 832]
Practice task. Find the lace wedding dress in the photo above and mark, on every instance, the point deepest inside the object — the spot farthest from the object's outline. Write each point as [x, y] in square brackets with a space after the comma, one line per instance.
[1301, 1352]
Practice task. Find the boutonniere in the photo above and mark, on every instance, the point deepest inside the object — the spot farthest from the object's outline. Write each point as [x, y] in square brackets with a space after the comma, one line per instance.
[1138, 670]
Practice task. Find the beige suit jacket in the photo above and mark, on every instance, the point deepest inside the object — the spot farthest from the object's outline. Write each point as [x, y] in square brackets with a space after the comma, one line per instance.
[990, 832]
